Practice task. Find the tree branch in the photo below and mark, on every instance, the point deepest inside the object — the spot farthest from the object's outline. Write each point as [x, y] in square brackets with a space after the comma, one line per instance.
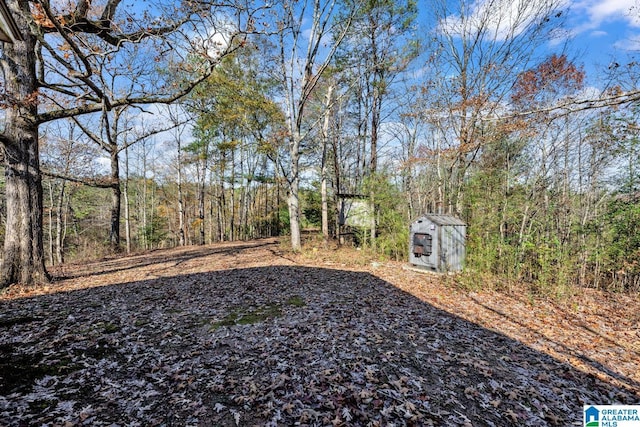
[574, 106]
[93, 108]
[159, 99]
[91, 182]
[79, 22]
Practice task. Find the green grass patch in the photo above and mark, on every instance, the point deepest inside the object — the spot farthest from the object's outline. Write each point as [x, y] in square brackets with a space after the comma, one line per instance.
[249, 317]
[141, 322]
[110, 328]
[296, 301]
[42, 405]
[260, 314]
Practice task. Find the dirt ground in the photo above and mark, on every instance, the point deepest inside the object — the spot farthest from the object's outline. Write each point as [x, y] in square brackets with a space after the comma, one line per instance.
[248, 333]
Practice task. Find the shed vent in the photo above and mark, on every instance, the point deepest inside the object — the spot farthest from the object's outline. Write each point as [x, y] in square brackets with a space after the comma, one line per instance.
[422, 244]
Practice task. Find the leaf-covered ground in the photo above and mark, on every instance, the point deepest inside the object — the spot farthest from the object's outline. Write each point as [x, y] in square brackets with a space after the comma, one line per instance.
[248, 334]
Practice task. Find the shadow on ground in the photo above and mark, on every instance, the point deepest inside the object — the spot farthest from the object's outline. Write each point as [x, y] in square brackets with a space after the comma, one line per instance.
[275, 345]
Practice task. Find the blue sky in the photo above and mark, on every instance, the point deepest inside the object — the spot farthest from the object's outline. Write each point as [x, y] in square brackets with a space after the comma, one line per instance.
[604, 31]
[595, 33]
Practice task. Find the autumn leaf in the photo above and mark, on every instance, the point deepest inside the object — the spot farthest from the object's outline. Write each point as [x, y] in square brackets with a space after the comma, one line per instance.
[368, 347]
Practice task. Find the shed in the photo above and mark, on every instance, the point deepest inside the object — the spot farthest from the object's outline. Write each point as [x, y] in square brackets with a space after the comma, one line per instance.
[437, 243]
[9, 32]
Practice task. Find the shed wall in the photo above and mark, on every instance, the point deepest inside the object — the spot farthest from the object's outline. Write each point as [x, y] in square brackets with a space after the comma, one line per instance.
[452, 248]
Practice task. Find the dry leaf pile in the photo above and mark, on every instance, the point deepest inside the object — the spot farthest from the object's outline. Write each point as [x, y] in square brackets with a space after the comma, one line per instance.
[244, 334]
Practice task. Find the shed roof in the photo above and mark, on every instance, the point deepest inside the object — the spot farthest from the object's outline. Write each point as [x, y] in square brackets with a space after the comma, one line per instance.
[442, 219]
[8, 29]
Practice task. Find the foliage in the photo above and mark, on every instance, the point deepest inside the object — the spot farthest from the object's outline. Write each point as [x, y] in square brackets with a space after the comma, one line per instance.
[622, 254]
[155, 231]
[234, 100]
[391, 220]
[311, 206]
[555, 76]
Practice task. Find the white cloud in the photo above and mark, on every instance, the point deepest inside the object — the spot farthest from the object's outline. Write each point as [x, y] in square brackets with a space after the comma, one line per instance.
[598, 33]
[615, 18]
[599, 12]
[500, 19]
[628, 43]
[217, 40]
[102, 165]
[589, 92]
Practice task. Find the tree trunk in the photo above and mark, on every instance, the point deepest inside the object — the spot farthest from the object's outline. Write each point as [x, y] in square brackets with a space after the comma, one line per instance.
[376, 108]
[181, 235]
[51, 250]
[232, 197]
[201, 206]
[323, 166]
[127, 216]
[294, 214]
[59, 223]
[293, 199]
[222, 200]
[114, 232]
[23, 260]
[325, 198]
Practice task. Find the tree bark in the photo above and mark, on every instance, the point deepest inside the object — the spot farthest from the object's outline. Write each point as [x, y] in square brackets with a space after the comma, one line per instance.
[125, 187]
[323, 166]
[294, 214]
[60, 232]
[293, 199]
[23, 260]
[116, 193]
[201, 203]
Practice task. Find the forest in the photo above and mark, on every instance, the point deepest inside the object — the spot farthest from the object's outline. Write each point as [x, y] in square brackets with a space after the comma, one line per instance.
[136, 126]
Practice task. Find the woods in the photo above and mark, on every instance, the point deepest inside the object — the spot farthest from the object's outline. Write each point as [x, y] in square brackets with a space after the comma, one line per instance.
[62, 68]
[131, 127]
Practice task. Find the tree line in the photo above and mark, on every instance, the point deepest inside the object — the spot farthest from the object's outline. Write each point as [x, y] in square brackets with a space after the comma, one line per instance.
[129, 129]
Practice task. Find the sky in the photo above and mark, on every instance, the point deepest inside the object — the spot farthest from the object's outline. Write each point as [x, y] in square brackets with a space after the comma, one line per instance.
[603, 32]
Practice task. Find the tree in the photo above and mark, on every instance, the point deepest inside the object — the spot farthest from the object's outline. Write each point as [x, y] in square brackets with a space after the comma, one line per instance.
[476, 51]
[380, 30]
[65, 153]
[325, 160]
[304, 55]
[235, 122]
[177, 138]
[51, 74]
[553, 80]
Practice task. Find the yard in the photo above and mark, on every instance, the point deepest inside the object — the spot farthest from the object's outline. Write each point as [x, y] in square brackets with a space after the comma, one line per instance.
[248, 333]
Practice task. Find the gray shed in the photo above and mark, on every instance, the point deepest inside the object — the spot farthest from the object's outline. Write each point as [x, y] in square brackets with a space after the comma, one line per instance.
[437, 243]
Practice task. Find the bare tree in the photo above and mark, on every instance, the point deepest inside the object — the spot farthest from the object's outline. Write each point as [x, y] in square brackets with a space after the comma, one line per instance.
[52, 73]
[304, 55]
[477, 51]
[65, 153]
